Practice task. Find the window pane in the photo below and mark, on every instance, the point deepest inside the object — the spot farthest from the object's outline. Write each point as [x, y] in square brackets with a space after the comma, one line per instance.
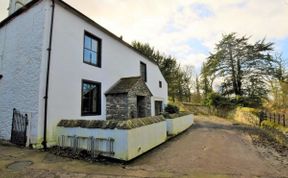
[94, 100]
[94, 58]
[87, 42]
[92, 50]
[85, 88]
[87, 55]
[143, 71]
[94, 45]
[90, 98]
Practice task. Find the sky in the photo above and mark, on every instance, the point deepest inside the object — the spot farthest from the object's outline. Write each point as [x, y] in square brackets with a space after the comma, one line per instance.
[187, 29]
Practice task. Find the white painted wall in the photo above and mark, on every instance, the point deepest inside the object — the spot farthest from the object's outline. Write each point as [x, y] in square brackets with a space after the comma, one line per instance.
[23, 63]
[178, 125]
[68, 69]
[128, 144]
[22, 48]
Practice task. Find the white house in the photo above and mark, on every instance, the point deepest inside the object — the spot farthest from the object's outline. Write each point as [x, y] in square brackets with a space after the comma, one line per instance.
[56, 63]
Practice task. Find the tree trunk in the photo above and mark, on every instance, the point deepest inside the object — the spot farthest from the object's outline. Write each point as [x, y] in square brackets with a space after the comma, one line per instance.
[233, 70]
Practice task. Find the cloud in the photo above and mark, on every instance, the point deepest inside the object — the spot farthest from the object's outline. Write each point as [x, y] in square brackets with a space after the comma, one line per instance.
[188, 30]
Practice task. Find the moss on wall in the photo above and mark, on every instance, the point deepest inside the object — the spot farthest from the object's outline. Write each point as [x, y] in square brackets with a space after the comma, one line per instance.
[111, 124]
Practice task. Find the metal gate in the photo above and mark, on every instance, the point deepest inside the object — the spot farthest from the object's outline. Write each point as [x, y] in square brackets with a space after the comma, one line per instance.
[19, 128]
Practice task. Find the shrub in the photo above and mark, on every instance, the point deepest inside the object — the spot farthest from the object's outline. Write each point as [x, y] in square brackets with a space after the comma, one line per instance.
[171, 109]
[218, 101]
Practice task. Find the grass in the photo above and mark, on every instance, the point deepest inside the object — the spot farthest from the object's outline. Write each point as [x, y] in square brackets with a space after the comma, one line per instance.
[269, 134]
[271, 125]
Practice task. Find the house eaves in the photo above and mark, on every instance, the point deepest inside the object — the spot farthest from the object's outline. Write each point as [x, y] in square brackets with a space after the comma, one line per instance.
[77, 13]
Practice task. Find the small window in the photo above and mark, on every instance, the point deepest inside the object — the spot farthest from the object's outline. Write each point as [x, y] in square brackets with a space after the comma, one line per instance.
[160, 84]
[143, 71]
[91, 98]
[92, 50]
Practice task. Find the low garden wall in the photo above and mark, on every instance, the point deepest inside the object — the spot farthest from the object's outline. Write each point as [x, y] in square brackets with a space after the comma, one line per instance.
[122, 140]
[176, 125]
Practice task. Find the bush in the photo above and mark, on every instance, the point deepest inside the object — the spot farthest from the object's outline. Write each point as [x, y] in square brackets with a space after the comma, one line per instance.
[218, 101]
[171, 109]
[176, 115]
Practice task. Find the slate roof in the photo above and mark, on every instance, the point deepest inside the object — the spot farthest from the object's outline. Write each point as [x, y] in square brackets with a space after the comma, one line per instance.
[124, 85]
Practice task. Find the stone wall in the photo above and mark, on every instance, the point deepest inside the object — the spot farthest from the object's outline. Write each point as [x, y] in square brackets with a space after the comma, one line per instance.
[132, 106]
[140, 89]
[124, 106]
[111, 124]
[117, 106]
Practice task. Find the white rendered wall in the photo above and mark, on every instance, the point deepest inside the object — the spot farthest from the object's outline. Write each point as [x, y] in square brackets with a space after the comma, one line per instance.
[128, 144]
[178, 125]
[22, 47]
[68, 69]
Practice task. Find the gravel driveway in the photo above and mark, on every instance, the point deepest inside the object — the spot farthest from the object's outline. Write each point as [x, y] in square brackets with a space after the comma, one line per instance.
[213, 147]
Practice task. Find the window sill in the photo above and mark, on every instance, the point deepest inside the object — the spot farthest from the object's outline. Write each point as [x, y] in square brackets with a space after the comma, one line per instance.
[98, 66]
[91, 114]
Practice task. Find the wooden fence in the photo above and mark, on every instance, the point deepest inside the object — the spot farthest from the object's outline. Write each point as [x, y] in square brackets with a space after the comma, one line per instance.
[277, 118]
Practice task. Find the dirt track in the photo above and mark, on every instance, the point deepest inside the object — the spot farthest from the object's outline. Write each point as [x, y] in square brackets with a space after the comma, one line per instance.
[213, 147]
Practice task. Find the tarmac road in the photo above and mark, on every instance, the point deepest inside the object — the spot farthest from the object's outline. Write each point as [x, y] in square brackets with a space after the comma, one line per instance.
[212, 147]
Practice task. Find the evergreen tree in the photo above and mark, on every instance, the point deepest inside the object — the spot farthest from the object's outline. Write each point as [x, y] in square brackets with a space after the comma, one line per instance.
[241, 65]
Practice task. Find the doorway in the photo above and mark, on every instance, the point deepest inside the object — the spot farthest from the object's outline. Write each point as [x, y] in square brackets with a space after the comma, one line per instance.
[141, 106]
[158, 108]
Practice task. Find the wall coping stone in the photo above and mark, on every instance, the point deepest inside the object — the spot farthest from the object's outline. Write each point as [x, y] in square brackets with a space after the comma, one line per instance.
[176, 115]
[111, 124]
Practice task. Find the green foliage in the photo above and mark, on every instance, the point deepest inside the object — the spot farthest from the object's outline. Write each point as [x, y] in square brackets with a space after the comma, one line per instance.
[272, 125]
[177, 77]
[276, 133]
[206, 83]
[243, 69]
[279, 84]
[176, 115]
[171, 109]
[218, 101]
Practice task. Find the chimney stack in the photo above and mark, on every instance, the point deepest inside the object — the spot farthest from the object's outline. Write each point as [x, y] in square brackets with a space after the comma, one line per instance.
[14, 5]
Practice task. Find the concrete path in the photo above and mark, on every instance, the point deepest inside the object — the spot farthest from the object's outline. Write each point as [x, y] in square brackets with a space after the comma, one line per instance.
[213, 147]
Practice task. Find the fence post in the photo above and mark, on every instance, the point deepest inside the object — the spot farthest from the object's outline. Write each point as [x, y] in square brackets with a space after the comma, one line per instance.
[13, 118]
[279, 117]
[261, 117]
[284, 124]
[270, 116]
[274, 117]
